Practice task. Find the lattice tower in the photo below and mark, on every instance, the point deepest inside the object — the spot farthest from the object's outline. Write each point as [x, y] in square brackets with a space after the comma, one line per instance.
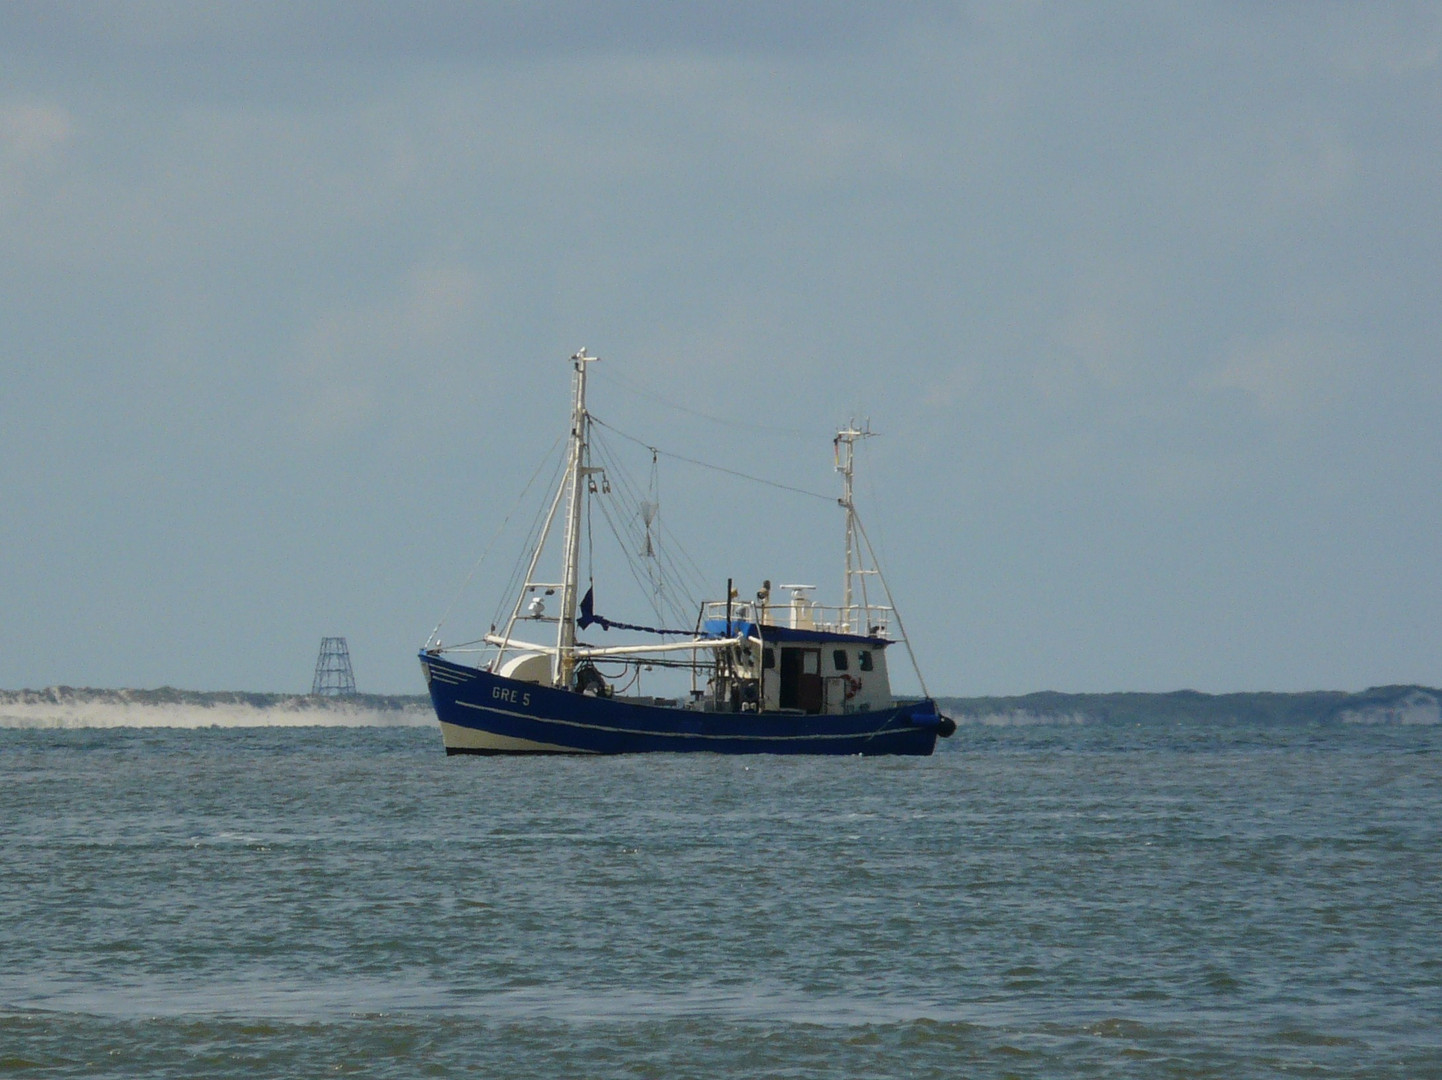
[333, 674]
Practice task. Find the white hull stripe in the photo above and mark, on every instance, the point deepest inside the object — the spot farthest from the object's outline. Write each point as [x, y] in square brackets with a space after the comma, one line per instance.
[829, 736]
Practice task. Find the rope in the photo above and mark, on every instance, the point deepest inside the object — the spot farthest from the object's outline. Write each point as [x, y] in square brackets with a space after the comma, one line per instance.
[714, 468]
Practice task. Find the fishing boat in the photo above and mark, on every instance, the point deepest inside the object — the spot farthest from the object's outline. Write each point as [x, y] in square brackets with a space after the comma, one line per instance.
[767, 674]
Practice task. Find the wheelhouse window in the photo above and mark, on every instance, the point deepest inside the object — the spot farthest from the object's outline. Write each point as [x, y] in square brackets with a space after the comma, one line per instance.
[863, 659]
[838, 658]
[768, 658]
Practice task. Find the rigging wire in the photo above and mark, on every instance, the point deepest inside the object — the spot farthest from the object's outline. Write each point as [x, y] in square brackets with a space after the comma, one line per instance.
[689, 578]
[630, 562]
[714, 468]
[621, 485]
[891, 605]
[518, 569]
[492, 543]
[650, 509]
[868, 479]
[590, 540]
[795, 433]
[661, 574]
[689, 572]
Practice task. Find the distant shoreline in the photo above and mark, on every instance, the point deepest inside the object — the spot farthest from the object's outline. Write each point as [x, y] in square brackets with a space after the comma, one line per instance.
[84, 706]
[1380, 704]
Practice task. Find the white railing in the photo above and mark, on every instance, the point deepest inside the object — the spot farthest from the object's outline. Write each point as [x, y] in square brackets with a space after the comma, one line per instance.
[801, 614]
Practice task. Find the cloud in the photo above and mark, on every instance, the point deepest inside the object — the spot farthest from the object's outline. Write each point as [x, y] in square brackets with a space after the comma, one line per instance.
[1303, 166]
[33, 137]
[31, 132]
[355, 366]
[1400, 40]
[1103, 330]
[186, 46]
[1292, 375]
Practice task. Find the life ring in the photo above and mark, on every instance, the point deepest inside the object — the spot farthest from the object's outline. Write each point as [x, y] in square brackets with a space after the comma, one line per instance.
[853, 686]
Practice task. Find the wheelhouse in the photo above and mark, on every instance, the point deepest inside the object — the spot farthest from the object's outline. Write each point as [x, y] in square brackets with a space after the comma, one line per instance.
[798, 657]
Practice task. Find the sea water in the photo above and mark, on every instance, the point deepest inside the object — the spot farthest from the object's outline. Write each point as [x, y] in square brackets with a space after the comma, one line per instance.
[1051, 900]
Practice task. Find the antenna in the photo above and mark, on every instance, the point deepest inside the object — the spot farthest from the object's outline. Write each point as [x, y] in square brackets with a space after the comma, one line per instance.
[333, 674]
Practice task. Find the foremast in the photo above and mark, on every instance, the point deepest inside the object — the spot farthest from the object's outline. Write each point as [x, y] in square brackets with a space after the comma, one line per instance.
[578, 469]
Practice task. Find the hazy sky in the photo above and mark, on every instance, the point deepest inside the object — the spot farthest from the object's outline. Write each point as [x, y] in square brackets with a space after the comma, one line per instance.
[1144, 299]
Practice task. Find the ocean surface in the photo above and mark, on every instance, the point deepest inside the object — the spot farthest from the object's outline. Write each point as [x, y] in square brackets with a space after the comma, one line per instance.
[1037, 900]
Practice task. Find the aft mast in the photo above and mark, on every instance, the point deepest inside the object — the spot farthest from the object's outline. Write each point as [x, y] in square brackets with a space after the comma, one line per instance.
[856, 571]
[856, 616]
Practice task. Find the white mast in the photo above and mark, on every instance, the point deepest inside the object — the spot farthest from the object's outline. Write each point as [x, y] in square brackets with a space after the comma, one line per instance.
[855, 565]
[577, 466]
[845, 444]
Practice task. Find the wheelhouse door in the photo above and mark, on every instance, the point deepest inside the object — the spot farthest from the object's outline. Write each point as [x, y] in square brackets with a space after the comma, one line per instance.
[801, 680]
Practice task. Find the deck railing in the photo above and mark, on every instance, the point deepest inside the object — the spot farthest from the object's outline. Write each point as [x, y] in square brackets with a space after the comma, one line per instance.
[799, 613]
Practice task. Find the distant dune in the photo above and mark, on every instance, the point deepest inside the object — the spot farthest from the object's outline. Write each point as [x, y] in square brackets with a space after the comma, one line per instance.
[1379, 705]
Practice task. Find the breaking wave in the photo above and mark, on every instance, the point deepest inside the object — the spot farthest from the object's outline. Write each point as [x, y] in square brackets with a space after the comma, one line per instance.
[1021, 718]
[72, 707]
[1415, 708]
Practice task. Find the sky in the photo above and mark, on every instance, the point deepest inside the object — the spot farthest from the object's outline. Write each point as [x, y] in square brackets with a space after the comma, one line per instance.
[1141, 298]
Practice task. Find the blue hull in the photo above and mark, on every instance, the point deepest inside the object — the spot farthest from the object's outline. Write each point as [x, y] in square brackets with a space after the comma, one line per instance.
[481, 713]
